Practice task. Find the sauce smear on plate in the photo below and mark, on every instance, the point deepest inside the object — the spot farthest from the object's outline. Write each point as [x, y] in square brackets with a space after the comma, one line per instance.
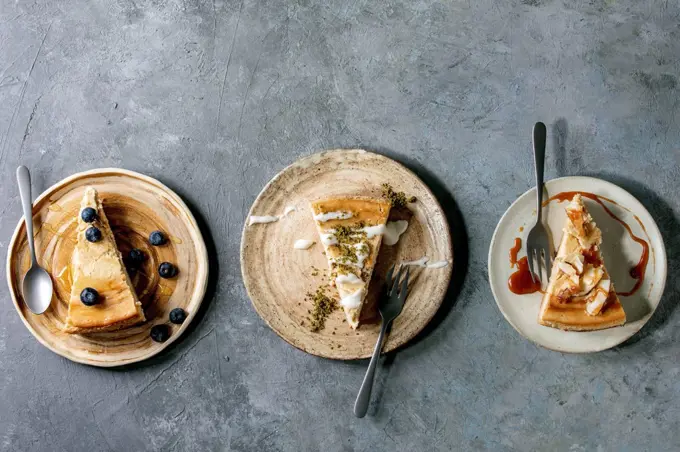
[520, 282]
[514, 250]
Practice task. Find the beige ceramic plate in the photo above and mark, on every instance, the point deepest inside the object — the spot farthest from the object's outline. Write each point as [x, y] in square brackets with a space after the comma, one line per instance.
[619, 251]
[135, 205]
[277, 276]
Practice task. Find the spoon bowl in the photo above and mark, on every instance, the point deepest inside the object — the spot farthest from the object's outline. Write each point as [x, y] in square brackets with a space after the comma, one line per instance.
[37, 284]
[37, 289]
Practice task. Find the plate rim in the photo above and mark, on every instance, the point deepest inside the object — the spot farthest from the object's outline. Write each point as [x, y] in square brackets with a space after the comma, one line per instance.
[317, 155]
[654, 228]
[202, 287]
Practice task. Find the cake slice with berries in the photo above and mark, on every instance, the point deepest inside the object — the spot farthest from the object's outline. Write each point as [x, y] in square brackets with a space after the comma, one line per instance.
[580, 296]
[351, 230]
[102, 296]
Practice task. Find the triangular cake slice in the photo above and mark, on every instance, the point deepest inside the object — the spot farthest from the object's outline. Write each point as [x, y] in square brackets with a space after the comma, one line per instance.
[351, 230]
[99, 265]
[580, 296]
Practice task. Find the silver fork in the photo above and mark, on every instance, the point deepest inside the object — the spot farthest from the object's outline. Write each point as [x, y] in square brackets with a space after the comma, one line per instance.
[538, 242]
[390, 307]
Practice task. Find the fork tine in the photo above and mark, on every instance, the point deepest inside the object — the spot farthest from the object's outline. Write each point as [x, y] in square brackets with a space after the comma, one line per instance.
[540, 258]
[537, 265]
[540, 264]
[395, 284]
[388, 278]
[404, 286]
[548, 262]
[530, 257]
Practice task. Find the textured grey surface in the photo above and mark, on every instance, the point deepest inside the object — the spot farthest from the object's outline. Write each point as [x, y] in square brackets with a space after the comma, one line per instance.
[213, 98]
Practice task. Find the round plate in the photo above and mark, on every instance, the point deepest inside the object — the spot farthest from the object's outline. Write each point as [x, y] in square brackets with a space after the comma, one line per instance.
[619, 251]
[135, 205]
[277, 277]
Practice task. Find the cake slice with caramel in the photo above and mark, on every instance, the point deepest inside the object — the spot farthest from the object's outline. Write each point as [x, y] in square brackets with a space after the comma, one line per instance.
[102, 296]
[580, 296]
[351, 230]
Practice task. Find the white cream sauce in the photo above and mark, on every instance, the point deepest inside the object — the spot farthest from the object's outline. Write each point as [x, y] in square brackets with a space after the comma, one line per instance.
[372, 231]
[254, 219]
[394, 230]
[339, 215]
[329, 239]
[347, 279]
[303, 244]
[424, 262]
[353, 301]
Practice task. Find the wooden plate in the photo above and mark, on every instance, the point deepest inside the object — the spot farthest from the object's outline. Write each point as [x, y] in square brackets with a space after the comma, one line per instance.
[135, 206]
[277, 277]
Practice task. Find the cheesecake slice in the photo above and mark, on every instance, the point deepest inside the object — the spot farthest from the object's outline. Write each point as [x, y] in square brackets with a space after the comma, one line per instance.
[580, 296]
[98, 265]
[351, 230]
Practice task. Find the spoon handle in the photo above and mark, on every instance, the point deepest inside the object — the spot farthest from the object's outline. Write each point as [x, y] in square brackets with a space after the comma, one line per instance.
[24, 180]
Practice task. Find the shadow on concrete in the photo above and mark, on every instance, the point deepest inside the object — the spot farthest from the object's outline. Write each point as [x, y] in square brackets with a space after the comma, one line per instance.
[560, 131]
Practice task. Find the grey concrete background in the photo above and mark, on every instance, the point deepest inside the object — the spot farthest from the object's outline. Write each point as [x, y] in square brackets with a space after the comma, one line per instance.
[214, 97]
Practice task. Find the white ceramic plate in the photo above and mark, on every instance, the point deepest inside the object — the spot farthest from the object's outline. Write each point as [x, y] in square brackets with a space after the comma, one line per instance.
[620, 253]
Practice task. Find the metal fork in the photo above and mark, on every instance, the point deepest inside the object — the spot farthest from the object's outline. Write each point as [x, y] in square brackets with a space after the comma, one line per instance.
[538, 242]
[390, 307]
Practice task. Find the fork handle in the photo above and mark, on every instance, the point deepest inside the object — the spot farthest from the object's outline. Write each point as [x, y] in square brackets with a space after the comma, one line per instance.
[539, 161]
[364, 397]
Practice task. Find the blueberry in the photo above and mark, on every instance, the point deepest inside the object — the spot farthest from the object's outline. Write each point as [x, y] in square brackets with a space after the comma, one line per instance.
[157, 238]
[88, 214]
[178, 315]
[160, 333]
[93, 234]
[136, 257]
[89, 296]
[167, 270]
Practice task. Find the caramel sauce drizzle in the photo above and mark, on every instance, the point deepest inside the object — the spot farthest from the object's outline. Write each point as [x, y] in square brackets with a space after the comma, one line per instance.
[514, 250]
[521, 282]
[639, 270]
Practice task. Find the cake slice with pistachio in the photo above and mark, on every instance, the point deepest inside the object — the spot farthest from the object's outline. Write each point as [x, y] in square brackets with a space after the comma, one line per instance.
[351, 230]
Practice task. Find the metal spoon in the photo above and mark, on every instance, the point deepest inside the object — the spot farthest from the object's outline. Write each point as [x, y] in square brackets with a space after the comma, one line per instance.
[37, 284]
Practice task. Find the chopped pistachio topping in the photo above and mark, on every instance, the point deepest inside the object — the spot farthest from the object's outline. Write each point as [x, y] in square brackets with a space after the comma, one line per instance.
[365, 249]
[347, 254]
[323, 306]
[343, 269]
[349, 235]
[396, 198]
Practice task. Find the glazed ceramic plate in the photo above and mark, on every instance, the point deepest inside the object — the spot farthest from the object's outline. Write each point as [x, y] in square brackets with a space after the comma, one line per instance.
[135, 205]
[620, 254]
[277, 277]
